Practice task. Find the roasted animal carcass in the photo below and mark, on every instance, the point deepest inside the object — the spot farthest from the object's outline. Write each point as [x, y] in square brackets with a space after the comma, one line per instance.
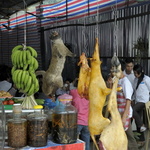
[84, 76]
[97, 97]
[52, 78]
[113, 137]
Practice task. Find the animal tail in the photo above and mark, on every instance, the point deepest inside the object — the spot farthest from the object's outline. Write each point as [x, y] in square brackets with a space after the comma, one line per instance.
[41, 72]
[94, 140]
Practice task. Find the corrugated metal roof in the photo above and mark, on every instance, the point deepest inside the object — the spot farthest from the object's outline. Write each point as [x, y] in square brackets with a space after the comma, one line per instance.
[9, 7]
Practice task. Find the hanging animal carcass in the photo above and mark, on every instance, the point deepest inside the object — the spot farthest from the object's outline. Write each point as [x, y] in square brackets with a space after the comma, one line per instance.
[113, 137]
[52, 78]
[97, 97]
[84, 76]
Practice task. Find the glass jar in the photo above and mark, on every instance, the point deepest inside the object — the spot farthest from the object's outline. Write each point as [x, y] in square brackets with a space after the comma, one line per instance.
[17, 128]
[37, 125]
[2, 125]
[64, 122]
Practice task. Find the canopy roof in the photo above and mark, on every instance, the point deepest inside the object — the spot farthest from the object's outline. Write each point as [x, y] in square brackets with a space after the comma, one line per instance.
[46, 12]
[9, 7]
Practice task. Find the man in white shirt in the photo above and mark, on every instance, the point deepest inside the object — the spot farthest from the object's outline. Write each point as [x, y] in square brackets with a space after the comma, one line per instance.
[128, 72]
[124, 107]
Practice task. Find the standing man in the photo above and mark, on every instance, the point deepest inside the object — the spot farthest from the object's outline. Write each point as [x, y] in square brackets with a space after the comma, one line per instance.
[124, 107]
[128, 72]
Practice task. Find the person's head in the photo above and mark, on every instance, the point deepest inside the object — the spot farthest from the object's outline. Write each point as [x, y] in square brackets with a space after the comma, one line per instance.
[129, 65]
[138, 70]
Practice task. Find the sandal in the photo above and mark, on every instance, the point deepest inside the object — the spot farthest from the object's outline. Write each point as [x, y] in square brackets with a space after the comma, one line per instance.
[143, 128]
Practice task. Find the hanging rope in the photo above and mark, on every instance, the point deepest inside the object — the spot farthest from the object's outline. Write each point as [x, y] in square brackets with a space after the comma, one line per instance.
[56, 18]
[17, 26]
[85, 34]
[115, 29]
[25, 25]
[97, 19]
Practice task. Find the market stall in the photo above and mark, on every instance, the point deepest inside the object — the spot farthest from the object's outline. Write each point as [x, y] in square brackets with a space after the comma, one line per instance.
[77, 144]
[49, 42]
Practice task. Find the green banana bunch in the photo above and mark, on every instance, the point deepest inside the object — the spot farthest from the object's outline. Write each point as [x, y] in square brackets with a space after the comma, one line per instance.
[16, 48]
[25, 81]
[24, 55]
[32, 51]
[23, 70]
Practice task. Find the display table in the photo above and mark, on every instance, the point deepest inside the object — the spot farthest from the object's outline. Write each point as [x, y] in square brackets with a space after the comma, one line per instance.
[79, 145]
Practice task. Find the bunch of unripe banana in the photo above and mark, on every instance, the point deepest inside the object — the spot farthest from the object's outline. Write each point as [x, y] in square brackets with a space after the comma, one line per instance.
[23, 72]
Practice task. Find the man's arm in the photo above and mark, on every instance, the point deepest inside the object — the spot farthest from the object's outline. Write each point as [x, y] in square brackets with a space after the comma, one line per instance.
[126, 111]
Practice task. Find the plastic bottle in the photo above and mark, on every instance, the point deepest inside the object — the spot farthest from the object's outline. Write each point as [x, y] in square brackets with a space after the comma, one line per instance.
[37, 125]
[17, 128]
[64, 121]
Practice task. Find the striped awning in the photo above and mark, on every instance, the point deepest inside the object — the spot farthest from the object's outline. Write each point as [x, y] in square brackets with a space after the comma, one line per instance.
[74, 9]
[65, 10]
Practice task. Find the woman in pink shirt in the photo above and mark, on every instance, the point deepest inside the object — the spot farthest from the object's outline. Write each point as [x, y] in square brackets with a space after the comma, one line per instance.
[82, 106]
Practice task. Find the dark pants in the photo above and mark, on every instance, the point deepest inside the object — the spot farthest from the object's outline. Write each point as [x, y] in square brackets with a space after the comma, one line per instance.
[138, 116]
[132, 144]
[84, 135]
[138, 113]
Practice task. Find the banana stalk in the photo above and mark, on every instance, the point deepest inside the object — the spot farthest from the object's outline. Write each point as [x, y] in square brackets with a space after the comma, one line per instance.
[28, 102]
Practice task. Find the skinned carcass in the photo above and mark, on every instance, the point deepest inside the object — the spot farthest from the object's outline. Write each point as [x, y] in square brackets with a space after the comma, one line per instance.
[84, 76]
[52, 78]
[113, 137]
[97, 97]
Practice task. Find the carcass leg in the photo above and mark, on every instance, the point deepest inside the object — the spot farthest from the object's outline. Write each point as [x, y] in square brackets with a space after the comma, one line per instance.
[94, 140]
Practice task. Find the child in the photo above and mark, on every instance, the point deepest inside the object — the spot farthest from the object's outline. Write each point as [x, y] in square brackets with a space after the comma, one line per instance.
[82, 106]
